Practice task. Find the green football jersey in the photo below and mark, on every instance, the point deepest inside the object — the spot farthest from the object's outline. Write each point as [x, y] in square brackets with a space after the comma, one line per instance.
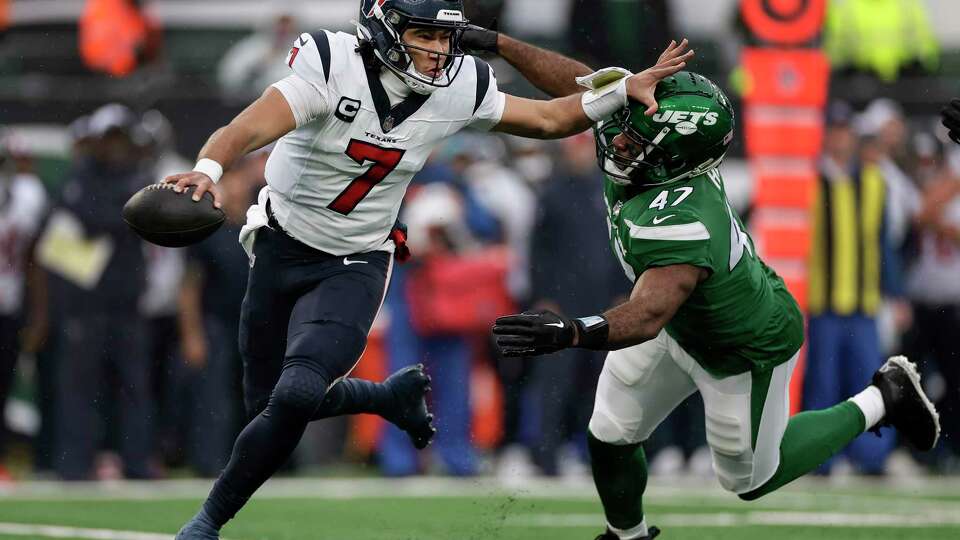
[741, 318]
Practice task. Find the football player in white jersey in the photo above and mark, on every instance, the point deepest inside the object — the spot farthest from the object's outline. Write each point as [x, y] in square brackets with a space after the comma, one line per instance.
[356, 119]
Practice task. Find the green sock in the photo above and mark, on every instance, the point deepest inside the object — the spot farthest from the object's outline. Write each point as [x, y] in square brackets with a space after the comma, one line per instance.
[811, 438]
[620, 474]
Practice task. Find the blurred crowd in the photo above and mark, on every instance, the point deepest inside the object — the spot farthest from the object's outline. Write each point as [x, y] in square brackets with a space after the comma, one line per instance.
[130, 349]
[118, 359]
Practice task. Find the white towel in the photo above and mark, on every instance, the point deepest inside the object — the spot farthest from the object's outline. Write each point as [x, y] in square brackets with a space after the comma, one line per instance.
[256, 218]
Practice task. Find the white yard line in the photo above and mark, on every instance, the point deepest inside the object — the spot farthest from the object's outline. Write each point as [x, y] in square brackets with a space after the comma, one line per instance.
[728, 519]
[57, 531]
[682, 493]
[659, 489]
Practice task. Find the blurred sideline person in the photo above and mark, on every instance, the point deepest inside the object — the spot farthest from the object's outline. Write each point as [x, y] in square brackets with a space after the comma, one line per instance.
[883, 122]
[932, 283]
[882, 38]
[436, 216]
[852, 268]
[209, 317]
[453, 217]
[705, 314]
[23, 202]
[356, 120]
[164, 272]
[255, 61]
[570, 213]
[104, 331]
[118, 36]
[939, 256]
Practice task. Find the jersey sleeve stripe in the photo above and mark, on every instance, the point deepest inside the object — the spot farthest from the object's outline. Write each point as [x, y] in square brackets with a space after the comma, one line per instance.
[687, 231]
[323, 46]
[483, 82]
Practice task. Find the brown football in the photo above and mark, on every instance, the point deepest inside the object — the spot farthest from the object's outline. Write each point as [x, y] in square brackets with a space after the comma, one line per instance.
[164, 217]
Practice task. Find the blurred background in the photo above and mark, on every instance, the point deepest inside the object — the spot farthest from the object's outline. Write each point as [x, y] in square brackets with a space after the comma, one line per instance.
[851, 189]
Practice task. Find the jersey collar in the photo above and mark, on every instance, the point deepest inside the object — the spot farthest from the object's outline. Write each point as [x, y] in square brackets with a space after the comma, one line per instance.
[391, 117]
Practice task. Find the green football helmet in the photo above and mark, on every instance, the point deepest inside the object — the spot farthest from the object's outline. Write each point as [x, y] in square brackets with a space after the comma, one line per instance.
[688, 135]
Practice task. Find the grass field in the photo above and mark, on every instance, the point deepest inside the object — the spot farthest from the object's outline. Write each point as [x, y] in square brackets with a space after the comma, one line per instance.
[435, 509]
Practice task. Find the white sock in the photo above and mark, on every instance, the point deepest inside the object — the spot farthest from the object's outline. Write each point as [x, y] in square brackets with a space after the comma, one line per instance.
[870, 403]
[632, 533]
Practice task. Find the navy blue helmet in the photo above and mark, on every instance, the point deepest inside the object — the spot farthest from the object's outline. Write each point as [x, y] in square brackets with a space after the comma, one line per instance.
[383, 22]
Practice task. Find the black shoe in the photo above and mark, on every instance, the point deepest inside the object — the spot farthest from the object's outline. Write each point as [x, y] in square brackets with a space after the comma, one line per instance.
[410, 386]
[652, 533]
[907, 408]
[198, 529]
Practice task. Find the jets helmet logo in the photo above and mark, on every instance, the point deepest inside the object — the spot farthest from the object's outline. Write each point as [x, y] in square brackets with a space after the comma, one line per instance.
[675, 117]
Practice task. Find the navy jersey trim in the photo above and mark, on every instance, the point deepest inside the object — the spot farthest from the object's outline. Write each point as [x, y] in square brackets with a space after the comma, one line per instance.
[483, 82]
[323, 45]
[391, 117]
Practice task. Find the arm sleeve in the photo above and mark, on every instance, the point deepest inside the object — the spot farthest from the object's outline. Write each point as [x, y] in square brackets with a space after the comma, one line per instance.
[490, 103]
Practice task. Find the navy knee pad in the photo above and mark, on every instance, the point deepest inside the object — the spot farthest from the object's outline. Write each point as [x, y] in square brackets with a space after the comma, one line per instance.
[328, 347]
[255, 400]
[298, 393]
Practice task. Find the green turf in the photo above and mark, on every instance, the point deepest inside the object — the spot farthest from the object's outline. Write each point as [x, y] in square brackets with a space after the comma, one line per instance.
[493, 516]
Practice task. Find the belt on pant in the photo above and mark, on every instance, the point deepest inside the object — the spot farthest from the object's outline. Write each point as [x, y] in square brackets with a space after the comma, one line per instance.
[398, 234]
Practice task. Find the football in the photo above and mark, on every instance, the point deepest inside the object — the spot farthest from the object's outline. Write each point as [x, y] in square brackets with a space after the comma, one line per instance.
[160, 215]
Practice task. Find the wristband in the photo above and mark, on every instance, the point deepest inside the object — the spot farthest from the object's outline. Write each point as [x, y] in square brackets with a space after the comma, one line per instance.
[210, 168]
[593, 332]
[601, 103]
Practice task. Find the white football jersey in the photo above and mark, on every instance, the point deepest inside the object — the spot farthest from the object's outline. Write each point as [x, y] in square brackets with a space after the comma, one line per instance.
[336, 182]
[23, 201]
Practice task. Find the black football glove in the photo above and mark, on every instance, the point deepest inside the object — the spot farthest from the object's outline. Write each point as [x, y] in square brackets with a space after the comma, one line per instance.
[477, 39]
[533, 333]
[951, 119]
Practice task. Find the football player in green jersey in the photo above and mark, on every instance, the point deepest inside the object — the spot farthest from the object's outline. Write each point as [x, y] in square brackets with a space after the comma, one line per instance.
[705, 315]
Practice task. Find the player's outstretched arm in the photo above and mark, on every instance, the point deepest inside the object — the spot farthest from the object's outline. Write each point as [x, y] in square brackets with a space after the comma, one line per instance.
[656, 297]
[262, 122]
[551, 72]
[565, 116]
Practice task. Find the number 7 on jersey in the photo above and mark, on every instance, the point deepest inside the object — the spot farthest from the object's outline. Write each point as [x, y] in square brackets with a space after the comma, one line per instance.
[385, 160]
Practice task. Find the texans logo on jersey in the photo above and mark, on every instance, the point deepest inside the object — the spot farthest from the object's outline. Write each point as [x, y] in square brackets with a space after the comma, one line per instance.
[295, 51]
[375, 8]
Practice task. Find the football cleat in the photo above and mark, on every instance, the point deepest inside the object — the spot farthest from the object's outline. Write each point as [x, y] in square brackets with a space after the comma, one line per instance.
[652, 533]
[198, 529]
[410, 386]
[907, 408]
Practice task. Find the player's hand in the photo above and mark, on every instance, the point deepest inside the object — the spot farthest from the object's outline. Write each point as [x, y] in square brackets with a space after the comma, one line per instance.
[477, 39]
[193, 178]
[641, 86]
[951, 119]
[533, 333]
